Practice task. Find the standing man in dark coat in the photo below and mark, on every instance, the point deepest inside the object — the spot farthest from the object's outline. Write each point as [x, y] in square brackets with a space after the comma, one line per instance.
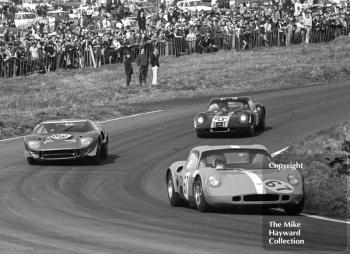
[128, 67]
[142, 63]
[141, 19]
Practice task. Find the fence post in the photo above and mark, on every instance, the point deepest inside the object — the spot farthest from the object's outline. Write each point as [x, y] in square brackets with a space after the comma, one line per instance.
[14, 67]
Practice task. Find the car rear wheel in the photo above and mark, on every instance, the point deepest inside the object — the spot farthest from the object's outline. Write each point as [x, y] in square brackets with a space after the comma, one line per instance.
[174, 198]
[32, 161]
[199, 197]
[295, 210]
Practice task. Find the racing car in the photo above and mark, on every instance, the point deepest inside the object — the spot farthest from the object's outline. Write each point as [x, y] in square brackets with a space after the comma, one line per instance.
[232, 175]
[66, 140]
[230, 114]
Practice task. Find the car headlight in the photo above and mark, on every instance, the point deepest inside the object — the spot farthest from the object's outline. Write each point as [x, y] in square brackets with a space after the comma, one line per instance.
[243, 118]
[293, 179]
[200, 119]
[214, 180]
[85, 141]
[34, 144]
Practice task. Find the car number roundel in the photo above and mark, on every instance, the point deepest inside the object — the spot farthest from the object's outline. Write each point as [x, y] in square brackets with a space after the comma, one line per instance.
[61, 136]
[278, 186]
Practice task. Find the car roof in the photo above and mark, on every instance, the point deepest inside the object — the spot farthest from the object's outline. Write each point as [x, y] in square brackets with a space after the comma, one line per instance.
[66, 121]
[206, 148]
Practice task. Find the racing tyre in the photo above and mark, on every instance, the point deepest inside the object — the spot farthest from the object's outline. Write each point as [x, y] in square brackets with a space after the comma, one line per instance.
[104, 150]
[32, 161]
[174, 198]
[97, 157]
[199, 197]
[201, 134]
[261, 126]
[251, 131]
[295, 210]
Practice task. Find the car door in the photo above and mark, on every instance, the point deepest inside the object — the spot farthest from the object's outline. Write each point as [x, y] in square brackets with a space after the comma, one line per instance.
[187, 174]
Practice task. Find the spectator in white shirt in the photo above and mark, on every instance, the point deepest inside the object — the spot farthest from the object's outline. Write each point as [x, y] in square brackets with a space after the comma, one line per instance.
[297, 8]
[307, 24]
[191, 40]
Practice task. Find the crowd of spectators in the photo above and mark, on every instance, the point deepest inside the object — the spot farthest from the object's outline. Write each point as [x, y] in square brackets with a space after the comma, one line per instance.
[100, 34]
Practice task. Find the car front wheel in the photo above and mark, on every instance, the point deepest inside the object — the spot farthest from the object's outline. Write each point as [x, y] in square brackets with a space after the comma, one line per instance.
[32, 161]
[251, 131]
[295, 210]
[104, 150]
[261, 126]
[199, 197]
[201, 134]
[97, 157]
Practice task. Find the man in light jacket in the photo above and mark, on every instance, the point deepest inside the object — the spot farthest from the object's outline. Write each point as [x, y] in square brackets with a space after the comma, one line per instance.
[155, 66]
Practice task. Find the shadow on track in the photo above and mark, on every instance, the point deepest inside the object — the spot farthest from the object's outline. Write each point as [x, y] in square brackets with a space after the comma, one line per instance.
[81, 162]
[244, 210]
[235, 135]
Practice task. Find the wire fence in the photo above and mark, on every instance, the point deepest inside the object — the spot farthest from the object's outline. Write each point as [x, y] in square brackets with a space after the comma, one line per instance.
[90, 56]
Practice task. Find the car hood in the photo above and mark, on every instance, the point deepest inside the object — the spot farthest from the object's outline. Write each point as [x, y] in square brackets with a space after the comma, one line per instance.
[240, 181]
[226, 113]
[54, 141]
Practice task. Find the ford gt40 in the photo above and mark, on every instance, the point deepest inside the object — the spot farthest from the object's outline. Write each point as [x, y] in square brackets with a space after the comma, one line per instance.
[219, 176]
[66, 140]
[230, 114]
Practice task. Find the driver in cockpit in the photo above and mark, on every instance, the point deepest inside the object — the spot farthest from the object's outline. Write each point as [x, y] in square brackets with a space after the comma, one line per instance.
[219, 161]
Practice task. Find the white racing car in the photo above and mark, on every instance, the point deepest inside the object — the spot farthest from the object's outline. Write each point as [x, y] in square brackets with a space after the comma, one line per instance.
[216, 176]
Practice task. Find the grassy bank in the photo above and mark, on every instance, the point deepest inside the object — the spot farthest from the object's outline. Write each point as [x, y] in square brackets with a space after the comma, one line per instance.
[100, 93]
[327, 185]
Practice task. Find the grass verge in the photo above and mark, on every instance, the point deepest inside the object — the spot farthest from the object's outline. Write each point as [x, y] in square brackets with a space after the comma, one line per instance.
[325, 169]
[100, 93]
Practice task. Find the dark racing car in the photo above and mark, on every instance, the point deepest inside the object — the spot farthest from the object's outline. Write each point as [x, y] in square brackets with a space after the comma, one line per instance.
[66, 140]
[231, 114]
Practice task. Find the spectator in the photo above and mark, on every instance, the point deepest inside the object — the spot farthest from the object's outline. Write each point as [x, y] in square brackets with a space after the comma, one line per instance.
[128, 67]
[142, 21]
[191, 40]
[142, 63]
[308, 24]
[75, 42]
[155, 66]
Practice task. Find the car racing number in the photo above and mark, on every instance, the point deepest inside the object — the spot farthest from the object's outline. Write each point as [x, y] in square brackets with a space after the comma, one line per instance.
[278, 186]
[186, 186]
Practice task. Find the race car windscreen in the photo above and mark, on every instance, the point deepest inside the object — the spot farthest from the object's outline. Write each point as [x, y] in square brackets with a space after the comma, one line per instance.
[236, 158]
[64, 127]
[227, 106]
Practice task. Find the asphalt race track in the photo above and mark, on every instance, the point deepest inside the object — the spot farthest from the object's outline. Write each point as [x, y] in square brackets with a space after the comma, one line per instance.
[121, 205]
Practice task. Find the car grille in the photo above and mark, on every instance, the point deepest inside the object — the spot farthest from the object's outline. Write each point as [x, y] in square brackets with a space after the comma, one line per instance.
[220, 130]
[261, 197]
[60, 154]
